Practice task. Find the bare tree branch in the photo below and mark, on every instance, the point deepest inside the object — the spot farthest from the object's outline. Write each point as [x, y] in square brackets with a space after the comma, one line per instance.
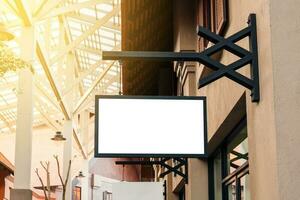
[41, 181]
[46, 166]
[58, 169]
[68, 173]
[64, 184]
[42, 164]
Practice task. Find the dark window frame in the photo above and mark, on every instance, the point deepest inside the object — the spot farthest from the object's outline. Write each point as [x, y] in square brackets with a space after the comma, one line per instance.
[204, 19]
[227, 177]
[181, 194]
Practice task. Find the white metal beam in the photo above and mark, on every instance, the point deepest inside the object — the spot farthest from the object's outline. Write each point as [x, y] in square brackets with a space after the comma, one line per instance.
[10, 6]
[112, 80]
[9, 85]
[82, 37]
[89, 50]
[49, 98]
[92, 20]
[67, 9]
[91, 69]
[40, 7]
[96, 51]
[45, 115]
[49, 76]
[8, 106]
[68, 39]
[45, 66]
[84, 74]
[95, 83]
[88, 101]
[2, 118]
[49, 5]
[24, 12]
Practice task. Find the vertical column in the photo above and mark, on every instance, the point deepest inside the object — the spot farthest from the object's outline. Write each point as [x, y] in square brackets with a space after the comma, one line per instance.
[68, 79]
[286, 94]
[84, 130]
[197, 169]
[22, 182]
[67, 153]
[273, 123]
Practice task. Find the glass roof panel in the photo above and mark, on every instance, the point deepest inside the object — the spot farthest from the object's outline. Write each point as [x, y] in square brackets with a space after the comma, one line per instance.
[70, 31]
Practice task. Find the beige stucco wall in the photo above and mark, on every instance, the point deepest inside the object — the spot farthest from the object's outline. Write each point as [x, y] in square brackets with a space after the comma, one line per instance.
[285, 29]
[260, 116]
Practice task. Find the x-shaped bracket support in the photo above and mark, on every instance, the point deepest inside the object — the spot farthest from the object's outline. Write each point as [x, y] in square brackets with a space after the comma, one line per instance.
[163, 162]
[204, 57]
[175, 169]
[246, 57]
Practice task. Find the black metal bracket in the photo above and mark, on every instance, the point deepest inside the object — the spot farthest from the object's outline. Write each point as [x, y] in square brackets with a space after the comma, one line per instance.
[246, 57]
[180, 162]
[220, 70]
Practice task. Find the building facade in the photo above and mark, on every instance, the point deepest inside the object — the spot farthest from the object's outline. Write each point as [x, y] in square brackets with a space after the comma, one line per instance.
[252, 146]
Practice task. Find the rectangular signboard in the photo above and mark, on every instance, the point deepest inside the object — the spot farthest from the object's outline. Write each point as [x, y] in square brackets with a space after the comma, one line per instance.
[150, 126]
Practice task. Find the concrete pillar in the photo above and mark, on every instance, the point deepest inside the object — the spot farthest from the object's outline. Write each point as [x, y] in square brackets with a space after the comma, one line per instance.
[285, 24]
[67, 132]
[68, 71]
[22, 182]
[198, 178]
[169, 183]
[84, 130]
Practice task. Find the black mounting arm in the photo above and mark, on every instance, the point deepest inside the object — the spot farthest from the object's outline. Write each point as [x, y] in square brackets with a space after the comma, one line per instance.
[163, 163]
[246, 57]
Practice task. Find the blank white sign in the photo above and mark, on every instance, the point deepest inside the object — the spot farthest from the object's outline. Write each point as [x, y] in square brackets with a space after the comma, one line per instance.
[150, 126]
[138, 191]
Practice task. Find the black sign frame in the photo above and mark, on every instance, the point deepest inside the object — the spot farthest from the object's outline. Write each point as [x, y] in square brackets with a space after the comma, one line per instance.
[149, 155]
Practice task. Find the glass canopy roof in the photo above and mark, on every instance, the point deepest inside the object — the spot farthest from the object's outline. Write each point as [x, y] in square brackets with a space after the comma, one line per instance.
[83, 28]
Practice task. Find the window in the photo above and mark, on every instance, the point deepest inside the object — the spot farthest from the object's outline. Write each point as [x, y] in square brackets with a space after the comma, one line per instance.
[107, 195]
[76, 193]
[181, 194]
[204, 19]
[229, 167]
[213, 15]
